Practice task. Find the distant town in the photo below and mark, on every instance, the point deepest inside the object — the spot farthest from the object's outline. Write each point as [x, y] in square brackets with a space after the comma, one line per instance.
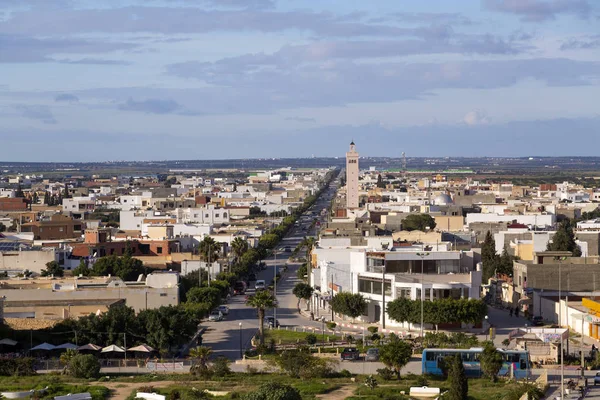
[195, 266]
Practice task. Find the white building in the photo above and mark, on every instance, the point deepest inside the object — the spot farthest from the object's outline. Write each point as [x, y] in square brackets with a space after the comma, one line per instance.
[359, 269]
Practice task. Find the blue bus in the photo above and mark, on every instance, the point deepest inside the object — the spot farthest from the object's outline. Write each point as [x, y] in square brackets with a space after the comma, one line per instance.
[519, 359]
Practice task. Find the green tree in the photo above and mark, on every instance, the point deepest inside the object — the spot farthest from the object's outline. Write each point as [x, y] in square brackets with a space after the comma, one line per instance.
[489, 257]
[303, 291]
[125, 267]
[209, 295]
[262, 300]
[349, 304]
[82, 269]
[564, 239]
[418, 222]
[268, 240]
[200, 356]
[209, 249]
[53, 269]
[84, 366]
[457, 379]
[239, 246]
[438, 311]
[274, 391]
[505, 264]
[491, 361]
[66, 357]
[2, 227]
[395, 354]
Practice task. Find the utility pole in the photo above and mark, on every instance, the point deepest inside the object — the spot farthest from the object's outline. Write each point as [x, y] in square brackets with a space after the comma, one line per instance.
[331, 301]
[422, 255]
[208, 266]
[383, 294]
[275, 290]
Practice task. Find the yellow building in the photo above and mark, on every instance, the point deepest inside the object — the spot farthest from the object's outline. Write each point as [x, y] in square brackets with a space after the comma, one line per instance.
[449, 223]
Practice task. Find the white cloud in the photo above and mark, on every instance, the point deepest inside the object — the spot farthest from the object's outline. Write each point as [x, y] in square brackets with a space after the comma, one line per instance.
[476, 117]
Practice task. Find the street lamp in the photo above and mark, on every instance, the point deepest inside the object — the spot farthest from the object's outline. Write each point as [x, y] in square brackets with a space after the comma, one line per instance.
[241, 351]
[275, 289]
[487, 329]
[422, 255]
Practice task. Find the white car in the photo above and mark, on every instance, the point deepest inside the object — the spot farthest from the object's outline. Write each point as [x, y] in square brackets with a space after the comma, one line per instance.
[260, 285]
[224, 309]
[215, 315]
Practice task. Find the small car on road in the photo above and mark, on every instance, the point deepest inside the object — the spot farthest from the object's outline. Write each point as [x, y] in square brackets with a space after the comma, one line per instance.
[350, 353]
[372, 354]
[215, 315]
[272, 322]
[260, 285]
[537, 321]
[597, 379]
[224, 309]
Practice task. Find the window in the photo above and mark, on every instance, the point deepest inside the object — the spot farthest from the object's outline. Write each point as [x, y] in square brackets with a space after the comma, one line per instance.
[205, 215]
[216, 215]
[159, 250]
[61, 229]
[163, 295]
[224, 215]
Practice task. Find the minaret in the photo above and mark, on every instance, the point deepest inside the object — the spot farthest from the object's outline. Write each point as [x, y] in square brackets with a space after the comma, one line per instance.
[352, 177]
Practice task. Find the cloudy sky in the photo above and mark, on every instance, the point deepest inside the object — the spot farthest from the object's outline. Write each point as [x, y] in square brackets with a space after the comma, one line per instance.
[204, 79]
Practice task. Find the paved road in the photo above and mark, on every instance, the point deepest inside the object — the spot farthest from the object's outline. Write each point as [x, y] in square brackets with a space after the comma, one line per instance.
[226, 337]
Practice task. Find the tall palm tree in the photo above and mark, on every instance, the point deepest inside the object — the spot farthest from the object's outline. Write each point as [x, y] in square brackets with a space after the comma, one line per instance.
[209, 249]
[309, 243]
[200, 356]
[239, 246]
[261, 301]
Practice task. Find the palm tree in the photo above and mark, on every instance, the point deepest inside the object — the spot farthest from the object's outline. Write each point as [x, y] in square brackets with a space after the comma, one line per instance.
[261, 301]
[209, 249]
[310, 244]
[200, 356]
[66, 357]
[239, 246]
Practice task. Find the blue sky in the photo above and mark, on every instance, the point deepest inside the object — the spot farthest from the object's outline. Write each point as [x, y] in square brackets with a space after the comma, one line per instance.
[200, 79]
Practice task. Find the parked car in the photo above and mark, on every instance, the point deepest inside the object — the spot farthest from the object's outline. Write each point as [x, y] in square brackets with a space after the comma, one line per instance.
[224, 309]
[260, 285]
[239, 287]
[537, 321]
[287, 249]
[272, 322]
[215, 315]
[597, 379]
[350, 353]
[372, 354]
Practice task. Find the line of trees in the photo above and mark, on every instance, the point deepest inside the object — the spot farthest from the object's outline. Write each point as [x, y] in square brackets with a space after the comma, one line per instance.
[437, 311]
[492, 262]
[163, 328]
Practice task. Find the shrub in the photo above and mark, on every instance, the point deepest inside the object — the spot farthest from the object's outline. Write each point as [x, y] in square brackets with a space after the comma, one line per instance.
[17, 367]
[220, 366]
[331, 325]
[421, 381]
[345, 374]
[373, 329]
[311, 338]
[84, 366]
[385, 373]
[274, 391]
